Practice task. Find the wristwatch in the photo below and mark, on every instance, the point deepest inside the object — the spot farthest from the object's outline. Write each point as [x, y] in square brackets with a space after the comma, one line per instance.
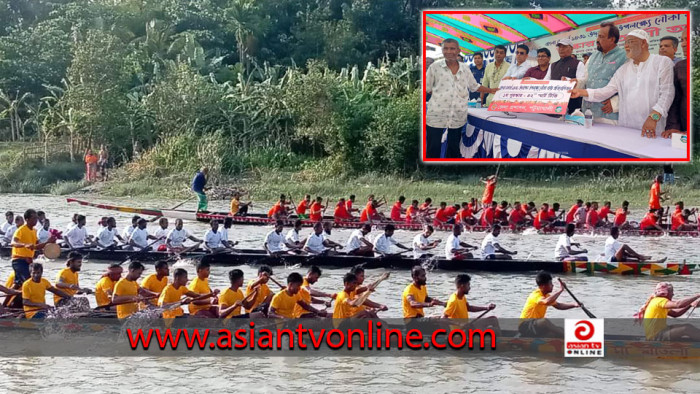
[655, 117]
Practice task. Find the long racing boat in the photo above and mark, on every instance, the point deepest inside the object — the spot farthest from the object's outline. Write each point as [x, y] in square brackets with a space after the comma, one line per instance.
[263, 220]
[258, 257]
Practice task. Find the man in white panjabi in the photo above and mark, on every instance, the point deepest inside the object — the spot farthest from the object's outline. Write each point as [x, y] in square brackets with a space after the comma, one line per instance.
[644, 84]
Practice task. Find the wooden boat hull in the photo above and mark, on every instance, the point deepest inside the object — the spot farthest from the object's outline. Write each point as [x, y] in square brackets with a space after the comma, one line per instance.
[259, 257]
[263, 220]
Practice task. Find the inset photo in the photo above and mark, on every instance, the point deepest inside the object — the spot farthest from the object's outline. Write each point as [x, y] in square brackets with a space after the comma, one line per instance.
[555, 86]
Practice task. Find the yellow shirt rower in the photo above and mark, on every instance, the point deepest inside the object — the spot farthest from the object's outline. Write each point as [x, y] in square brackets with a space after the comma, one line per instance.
[661, 305]
[232, 301]
[171, 297]
[415, 295]
[536, 306]
[156, 282]
[283, 303]
[34, 293]
[127, 293]
[264, 293]
[105, 286]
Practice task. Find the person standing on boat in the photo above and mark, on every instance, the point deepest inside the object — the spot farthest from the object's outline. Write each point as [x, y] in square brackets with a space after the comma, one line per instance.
[490, 245]
[199, 183]
[24, 245]
[415, 295]
[656, 196]
[532, 321]
[422, 243]
[140, 236]
[358, 245]
[659, 306]
[489, 189]
[213, 238]
[383, 242]
[175, 241]
[564, 252]
[274, 243]
[622, 253]
[34, 293]
[456, 249]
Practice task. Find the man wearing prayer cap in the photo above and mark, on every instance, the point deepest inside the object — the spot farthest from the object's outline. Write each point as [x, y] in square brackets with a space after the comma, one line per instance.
[644, 84]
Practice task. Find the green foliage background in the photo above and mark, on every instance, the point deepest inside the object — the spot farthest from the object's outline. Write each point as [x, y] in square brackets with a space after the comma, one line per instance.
[321, 87]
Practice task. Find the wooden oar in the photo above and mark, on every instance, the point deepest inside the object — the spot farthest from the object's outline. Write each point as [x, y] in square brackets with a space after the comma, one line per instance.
[480, 316]
[371, 288]
[585, 310]
[293, 205]
[277, 283]
[170, 209]
[144, 250]
[111, 304]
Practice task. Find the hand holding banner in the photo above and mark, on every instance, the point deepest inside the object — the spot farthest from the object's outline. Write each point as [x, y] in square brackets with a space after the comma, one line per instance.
[532, 95]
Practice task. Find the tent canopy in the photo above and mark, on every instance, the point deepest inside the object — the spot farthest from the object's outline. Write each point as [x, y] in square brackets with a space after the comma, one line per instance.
[478, 32]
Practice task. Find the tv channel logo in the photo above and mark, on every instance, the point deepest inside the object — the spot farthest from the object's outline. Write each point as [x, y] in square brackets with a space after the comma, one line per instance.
[584, 338]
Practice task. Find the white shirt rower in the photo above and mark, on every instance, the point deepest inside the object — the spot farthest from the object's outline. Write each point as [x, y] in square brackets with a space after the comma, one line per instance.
[77, 236]
[383, 244]
[275, 242]
[160, 233]
[105, 238]
[611, 247]
[561, 251]
[126, 234]
[5, 227]
[9, 233]
[292, 237]
[213, 239]
[315, 244]
[418, 241]
[140, 237]
[177, 237]
[354, 242]
[452, 243]
[487, 245]
[43, 235]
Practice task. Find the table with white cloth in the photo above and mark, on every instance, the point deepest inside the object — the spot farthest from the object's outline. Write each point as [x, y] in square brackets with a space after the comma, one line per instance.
[491, 134]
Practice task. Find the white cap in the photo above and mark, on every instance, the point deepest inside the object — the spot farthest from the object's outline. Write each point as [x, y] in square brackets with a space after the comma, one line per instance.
[565, 41]
[639, 33]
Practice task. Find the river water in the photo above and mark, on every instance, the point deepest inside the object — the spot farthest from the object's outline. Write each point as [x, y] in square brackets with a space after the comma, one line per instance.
[608, 296]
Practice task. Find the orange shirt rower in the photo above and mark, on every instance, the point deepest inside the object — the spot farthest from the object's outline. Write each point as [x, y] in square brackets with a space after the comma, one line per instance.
[341, 212]
[543, 217]
[348, 204]
[397, 209]
[441, 217]
[488, 215]
[649, 222]
[621, 215]
[279, 210]
[490, 188]
[412, 212]
[304, 205]
[605, 212]
[572, 211]
[316, 210]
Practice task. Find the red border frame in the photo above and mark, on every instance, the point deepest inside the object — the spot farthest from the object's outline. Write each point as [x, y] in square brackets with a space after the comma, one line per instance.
[425, 160]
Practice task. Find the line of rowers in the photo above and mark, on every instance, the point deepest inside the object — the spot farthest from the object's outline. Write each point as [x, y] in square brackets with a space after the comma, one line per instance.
[517, 216]
[216, 240]
[296, 299]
